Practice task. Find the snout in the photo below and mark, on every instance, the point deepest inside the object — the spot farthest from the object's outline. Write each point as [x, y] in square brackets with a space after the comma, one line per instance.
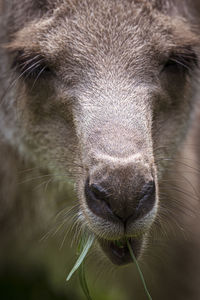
[121, 204]
[106, 205]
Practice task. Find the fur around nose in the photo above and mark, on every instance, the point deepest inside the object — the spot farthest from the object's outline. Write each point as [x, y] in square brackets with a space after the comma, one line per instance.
[117, 196]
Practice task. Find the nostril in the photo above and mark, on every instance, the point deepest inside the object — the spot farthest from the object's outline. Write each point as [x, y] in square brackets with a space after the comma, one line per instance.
[148, 188]
[147, 199]
[97, 200]
[98, 191]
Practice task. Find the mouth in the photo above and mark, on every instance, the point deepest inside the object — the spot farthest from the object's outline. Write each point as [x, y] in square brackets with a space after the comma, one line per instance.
[118, 252]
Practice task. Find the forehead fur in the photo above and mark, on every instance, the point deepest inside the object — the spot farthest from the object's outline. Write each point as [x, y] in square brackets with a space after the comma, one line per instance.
[104, 37]
[106, 25]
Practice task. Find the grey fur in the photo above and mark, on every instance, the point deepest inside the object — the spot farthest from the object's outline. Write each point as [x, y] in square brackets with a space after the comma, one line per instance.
[109, 109]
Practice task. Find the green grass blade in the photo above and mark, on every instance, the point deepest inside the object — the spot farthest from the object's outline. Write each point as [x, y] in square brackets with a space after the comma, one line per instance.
[139, 270]
[83, 281]
[82, 256]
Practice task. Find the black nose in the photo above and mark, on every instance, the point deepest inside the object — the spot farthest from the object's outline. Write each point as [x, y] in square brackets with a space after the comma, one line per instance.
[146, 199]
[97, 199]
[111, 206]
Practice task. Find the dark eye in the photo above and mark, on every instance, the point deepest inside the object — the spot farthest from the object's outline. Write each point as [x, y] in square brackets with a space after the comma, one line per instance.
[181, 62]
[31, 66]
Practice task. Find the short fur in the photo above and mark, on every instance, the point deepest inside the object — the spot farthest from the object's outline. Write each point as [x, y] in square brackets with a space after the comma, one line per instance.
[105, 103]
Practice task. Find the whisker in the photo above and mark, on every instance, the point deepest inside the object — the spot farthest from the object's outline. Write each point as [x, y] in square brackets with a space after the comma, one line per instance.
[40, 73]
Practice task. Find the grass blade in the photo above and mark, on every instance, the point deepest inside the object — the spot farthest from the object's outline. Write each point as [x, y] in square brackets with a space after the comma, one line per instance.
[139, 270]
[83, 281]
[82, 256]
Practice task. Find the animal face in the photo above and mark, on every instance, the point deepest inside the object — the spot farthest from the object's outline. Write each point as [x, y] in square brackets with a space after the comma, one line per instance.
[104, 93]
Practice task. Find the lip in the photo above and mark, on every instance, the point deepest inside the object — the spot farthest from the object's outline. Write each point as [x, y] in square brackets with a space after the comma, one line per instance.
[118, 252]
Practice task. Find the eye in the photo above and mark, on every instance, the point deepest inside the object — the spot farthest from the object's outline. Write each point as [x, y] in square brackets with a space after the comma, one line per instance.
[31, 66]
[181, 62]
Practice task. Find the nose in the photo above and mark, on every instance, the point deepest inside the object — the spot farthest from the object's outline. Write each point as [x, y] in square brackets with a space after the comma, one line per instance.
[114, 205]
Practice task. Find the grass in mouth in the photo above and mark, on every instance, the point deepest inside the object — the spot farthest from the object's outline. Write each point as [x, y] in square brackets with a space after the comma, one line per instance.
[83, 248]
[139, 270]
[83, 281]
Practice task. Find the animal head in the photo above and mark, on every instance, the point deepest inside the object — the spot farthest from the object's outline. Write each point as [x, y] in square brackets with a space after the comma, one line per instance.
[104, 92]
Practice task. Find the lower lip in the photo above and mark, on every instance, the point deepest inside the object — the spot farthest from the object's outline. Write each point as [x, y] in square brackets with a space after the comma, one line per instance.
[120, 255]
